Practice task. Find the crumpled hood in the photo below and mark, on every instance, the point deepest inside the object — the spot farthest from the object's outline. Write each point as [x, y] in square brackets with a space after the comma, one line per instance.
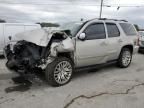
[25, 54]
[40, 37]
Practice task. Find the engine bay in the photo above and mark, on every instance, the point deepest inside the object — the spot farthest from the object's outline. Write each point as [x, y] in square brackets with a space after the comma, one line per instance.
[26, 56]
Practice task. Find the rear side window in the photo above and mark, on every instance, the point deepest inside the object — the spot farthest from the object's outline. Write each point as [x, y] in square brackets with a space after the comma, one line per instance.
[95, 31]
[128, 29]
[112, 30]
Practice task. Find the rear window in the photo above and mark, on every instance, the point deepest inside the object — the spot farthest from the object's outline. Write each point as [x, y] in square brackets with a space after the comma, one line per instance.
[128, 29]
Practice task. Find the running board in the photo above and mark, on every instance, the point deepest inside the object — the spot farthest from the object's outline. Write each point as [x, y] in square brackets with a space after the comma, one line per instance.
[95, 66]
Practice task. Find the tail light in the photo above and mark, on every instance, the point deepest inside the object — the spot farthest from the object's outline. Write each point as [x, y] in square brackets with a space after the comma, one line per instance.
[138, 41]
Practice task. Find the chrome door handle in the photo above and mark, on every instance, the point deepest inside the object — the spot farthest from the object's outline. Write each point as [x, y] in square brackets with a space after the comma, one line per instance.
[120, 40]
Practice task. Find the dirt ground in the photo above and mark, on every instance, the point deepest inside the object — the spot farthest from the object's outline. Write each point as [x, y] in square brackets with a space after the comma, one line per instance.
[108, 87]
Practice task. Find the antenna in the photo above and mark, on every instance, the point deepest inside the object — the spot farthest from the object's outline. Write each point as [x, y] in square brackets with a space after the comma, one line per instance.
[101, 8]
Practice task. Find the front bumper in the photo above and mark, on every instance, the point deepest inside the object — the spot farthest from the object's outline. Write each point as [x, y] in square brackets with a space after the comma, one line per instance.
[7, 51]
[11, 63]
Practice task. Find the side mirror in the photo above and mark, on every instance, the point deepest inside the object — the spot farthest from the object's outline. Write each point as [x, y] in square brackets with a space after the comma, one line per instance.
[82, 36]
[10, 38]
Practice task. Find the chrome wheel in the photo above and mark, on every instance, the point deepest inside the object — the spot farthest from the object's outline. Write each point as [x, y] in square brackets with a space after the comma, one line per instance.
[62, 72]
[126, 58]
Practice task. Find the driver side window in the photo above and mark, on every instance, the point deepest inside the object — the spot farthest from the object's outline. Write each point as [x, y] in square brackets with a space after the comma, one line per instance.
[95, 31]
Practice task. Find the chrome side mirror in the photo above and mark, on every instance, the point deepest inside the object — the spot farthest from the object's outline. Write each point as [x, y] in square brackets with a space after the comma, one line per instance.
[82, 36]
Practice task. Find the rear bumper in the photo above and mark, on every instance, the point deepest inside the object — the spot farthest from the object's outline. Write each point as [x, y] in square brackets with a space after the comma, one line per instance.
[135, 49]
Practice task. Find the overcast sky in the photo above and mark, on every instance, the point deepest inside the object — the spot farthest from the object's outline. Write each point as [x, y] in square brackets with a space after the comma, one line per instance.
[70, 10]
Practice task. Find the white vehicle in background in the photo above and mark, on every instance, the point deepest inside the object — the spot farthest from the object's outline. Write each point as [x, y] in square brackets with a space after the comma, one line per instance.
[141, 41]
[8, 31]
[50, 28]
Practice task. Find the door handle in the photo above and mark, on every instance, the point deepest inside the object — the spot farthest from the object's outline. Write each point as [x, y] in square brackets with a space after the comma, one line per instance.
[103, 44]
[10, 38]
[120, 40]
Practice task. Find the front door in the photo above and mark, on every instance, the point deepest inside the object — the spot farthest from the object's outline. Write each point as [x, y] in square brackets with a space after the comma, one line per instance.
[93, 50]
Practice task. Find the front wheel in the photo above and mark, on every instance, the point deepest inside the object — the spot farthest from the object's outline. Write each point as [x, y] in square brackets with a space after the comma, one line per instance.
[59, 72]
[125, 58]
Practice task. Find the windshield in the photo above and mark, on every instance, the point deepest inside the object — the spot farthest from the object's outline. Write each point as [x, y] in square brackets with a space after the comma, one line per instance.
[141, 34]
[72, 26]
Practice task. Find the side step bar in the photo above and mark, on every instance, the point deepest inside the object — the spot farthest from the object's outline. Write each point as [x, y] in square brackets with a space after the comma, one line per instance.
[95, 66]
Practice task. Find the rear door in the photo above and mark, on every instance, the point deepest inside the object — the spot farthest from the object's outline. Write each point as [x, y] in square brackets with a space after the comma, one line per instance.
[11, 30]
[114, 40]
[93, 50]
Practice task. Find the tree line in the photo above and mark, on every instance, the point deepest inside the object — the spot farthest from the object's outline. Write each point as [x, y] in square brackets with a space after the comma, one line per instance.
[47, 24]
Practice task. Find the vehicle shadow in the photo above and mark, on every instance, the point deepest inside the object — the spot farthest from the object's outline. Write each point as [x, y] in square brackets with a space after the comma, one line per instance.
[141, 52]
[25, 83]
[2, 57]
[95, 71]
[22, 84]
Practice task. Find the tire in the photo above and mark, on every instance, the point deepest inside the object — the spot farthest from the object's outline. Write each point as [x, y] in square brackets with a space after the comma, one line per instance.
[125, 58]
[55, 77]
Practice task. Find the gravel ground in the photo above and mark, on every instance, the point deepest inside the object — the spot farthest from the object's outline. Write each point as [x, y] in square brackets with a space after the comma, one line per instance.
[109, 87]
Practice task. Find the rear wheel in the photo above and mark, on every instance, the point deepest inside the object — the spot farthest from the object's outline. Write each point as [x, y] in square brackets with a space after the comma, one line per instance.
[59, 72]
[125, 58]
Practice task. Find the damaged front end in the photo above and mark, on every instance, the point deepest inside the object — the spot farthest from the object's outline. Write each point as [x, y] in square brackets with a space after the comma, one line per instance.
[37, 52]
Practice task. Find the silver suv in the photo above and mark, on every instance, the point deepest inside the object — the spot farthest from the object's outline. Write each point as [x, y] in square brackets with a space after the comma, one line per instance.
[77, 45]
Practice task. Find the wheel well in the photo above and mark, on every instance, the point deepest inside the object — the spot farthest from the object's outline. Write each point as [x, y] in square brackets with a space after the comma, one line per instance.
[66, 54]
[129, 47]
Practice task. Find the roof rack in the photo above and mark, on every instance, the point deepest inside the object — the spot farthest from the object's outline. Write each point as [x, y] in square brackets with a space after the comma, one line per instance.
[106, 19]
[112, 19]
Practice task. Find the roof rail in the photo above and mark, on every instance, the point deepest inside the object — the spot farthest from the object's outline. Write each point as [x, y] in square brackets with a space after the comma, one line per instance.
[112, 19]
